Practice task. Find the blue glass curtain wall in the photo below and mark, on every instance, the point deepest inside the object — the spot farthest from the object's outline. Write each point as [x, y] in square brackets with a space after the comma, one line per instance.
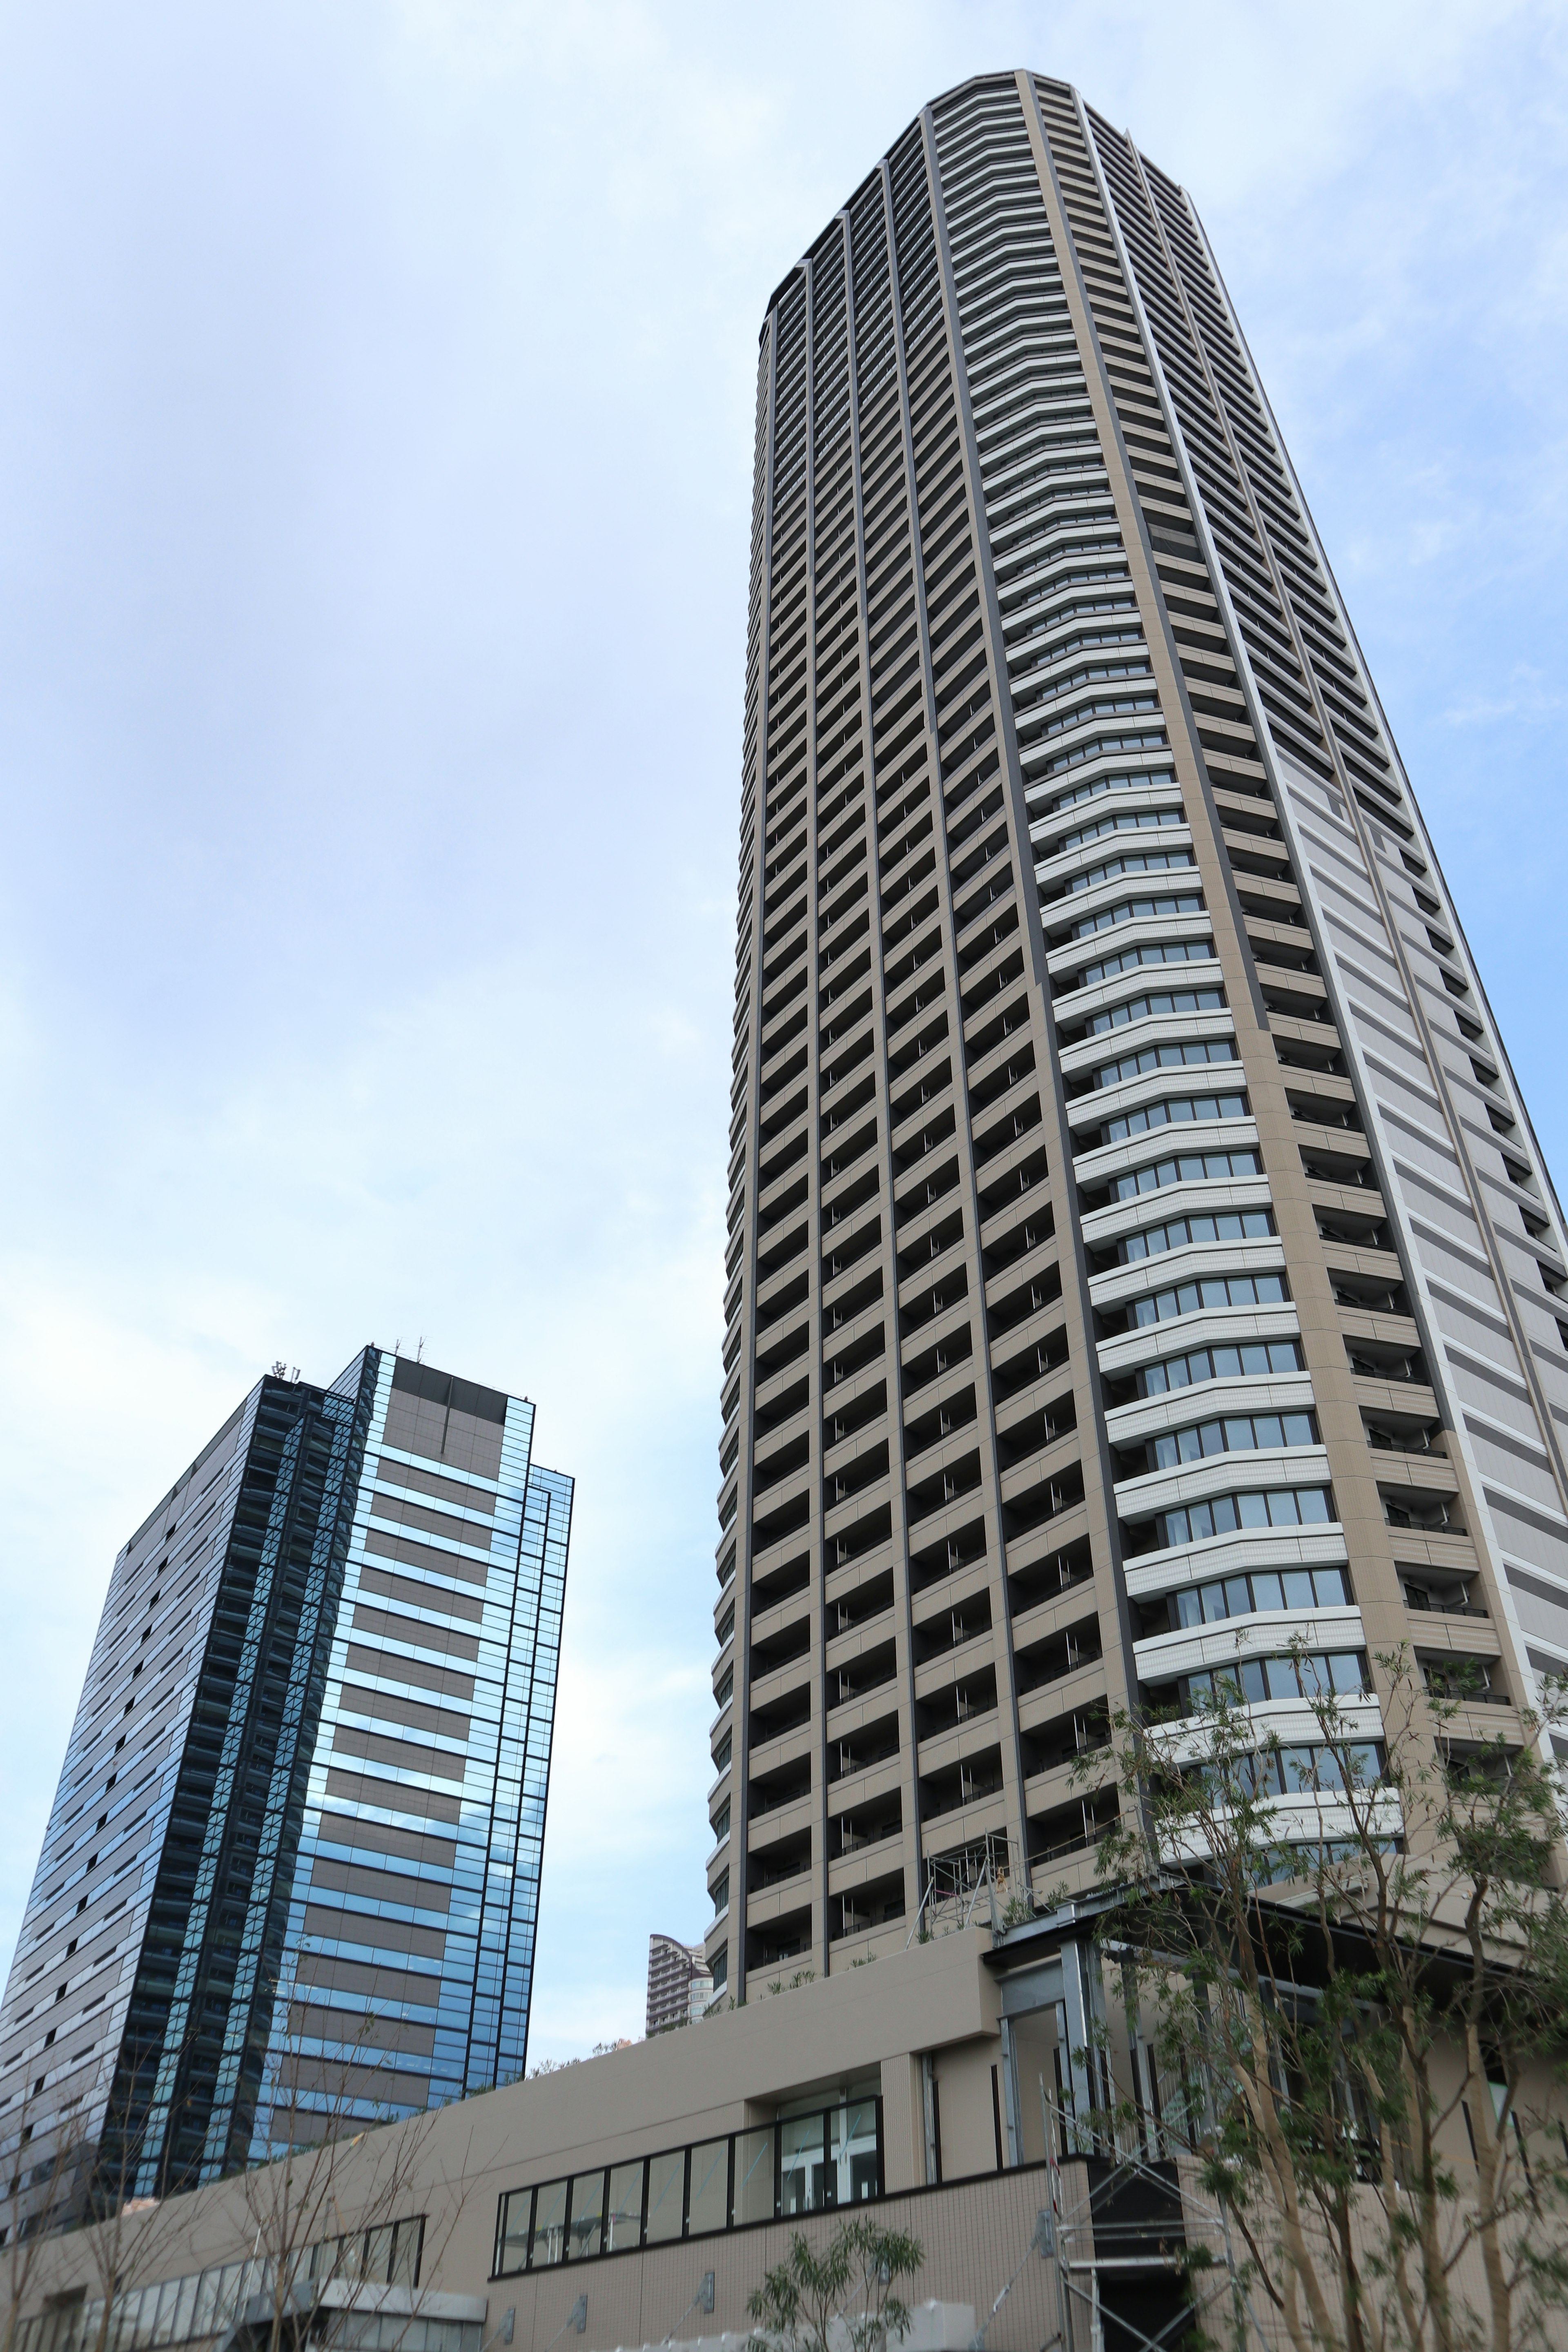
[411, 1933]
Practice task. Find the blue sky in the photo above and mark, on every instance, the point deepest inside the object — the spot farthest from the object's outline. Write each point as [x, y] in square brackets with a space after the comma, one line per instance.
[375, 410]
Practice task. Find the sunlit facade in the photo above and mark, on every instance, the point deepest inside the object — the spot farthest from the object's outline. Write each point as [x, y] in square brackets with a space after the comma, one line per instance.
[1140, 1255]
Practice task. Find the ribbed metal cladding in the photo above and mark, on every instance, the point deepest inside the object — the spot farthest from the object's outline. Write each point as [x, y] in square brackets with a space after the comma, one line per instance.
[1139, 1254]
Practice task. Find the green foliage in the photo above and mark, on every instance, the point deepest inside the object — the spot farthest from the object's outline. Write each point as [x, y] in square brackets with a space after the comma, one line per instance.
[1361, 1990]
[851, 2282]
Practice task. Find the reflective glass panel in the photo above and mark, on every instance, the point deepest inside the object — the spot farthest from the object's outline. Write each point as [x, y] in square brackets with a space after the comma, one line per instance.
[548, 2244]
[665, 2196]
[408, 2240]
[623, 2219]
[855, 2166]
[709, 2205]
[204, 2318]
[587, 2216]
[802, 2170]
[516, 2214]
[754, 2185]
[225, 2297]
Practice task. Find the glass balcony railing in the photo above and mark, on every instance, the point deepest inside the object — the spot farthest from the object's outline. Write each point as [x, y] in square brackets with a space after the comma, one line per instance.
[828, 2158]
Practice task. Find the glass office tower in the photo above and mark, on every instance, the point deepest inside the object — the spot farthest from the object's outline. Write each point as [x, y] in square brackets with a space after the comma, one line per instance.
[1139, 1252]
[291, 1872]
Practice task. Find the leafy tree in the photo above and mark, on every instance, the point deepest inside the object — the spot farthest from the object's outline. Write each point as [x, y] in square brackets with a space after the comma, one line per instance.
[1365, 2017]
[842, 2298]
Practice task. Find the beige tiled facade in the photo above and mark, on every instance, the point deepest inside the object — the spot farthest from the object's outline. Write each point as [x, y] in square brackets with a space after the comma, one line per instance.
[1130, 1197]
[964, 2043]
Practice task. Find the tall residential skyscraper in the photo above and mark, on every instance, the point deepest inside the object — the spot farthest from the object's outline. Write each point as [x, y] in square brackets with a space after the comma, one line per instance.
[291, 1872]
[1139, 1252]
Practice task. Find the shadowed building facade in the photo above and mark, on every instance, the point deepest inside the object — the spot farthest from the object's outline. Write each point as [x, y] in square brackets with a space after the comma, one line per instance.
[291, 1871]
[1139, 1252]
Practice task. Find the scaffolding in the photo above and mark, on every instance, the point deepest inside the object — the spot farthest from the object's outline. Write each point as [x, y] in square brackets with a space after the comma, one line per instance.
[988, 1879]
[1098, 2245]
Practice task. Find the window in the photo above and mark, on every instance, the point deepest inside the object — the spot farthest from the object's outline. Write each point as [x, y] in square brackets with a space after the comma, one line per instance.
[1313, 1769]
[1165, 1057]
[1214, 1290]
[1157, 951]
[1242, 1363]
[1124, 820]
[826, 2158]
[1131, 861]
[1241, 1433]
[1224, 1225]
[1250, 1680]
[1286, 1506]
[1185, 1168]
[1132, 910]
[1103, 784]
[1152, 1005]
[1173, 1113]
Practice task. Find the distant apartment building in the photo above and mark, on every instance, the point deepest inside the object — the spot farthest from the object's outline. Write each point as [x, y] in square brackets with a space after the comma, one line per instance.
[291, 1871]
[678, 1984]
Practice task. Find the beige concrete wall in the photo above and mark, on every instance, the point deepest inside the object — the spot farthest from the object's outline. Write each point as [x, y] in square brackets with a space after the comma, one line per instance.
[735, 2069]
